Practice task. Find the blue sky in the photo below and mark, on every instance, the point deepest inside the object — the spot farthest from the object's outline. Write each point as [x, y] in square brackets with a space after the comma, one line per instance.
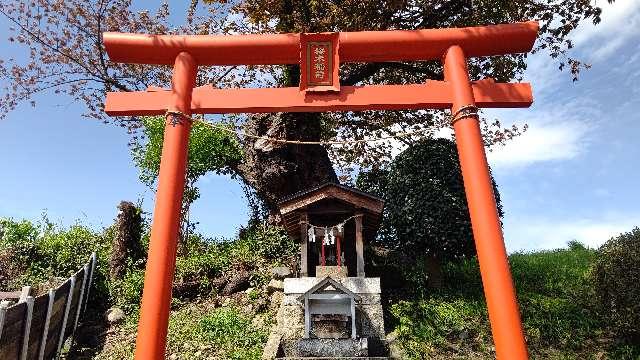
[572, 175]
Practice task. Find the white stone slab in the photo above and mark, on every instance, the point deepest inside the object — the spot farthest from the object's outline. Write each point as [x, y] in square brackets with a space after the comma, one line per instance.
[360, 285]
[299, 285]
[354, 284]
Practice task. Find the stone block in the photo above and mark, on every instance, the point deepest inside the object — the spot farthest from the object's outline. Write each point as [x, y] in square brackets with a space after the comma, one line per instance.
[369, 299]
[270, 350]
[354, 284]
[291, 300]
[362, 285]
[299, 285]
[327, 348]
[280, 272]
[275, 285]
[291, 322]
[336, 272]
[370, 321]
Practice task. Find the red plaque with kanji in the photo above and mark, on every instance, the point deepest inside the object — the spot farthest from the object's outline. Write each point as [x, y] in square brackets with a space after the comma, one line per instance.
[319, 62]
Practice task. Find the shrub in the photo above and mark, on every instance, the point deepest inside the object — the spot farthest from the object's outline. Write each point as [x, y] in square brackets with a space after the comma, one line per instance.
[616, 277]
[200, 260]
[17, 248]
[127, 291]
[262, 241]
[426, 208]
[37, 253]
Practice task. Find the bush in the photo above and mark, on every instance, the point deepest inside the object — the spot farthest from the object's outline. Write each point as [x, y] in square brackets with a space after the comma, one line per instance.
[33, 254]
[17, 246]
[261, 241]
[127, 292]
[201, 260]
[616, 277]
[426, 208]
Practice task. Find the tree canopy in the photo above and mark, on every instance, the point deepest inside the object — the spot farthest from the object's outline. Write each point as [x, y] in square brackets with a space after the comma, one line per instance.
[426, 209]
[65, 55]
[210, 150]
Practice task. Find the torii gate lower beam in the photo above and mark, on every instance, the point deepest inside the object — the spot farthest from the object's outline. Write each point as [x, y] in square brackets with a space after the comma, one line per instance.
[431, 95]
[456, 92]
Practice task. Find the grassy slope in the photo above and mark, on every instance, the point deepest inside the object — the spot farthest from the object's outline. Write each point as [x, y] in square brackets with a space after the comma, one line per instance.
[199, 330]
[202, 325]
[553, 289]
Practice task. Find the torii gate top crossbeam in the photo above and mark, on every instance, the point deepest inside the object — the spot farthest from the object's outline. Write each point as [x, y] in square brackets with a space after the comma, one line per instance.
[364, 46]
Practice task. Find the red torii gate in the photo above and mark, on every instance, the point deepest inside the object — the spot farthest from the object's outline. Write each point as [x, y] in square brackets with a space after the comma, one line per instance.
[319, 56]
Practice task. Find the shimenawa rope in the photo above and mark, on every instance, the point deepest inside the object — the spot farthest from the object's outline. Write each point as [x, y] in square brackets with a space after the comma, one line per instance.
[464, 111]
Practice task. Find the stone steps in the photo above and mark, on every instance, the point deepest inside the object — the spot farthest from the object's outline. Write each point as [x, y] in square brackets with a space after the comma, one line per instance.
[333, 358]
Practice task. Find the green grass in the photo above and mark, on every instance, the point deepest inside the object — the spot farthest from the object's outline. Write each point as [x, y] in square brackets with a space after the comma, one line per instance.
[554, 293]
[198, 331]
[233, 333]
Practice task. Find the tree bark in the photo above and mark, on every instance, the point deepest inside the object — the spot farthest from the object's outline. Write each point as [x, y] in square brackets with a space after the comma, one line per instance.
[126, 242]
[275, 170]
[434, 272]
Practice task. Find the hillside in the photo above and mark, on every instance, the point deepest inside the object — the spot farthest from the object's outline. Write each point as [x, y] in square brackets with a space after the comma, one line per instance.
[225, 297]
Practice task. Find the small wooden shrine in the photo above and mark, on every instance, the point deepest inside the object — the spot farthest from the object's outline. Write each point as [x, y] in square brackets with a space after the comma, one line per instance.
[331, 222]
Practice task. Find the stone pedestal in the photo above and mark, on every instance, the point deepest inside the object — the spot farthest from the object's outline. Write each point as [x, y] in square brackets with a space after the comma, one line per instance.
[290, 328]
[336, 272]
[326, 348]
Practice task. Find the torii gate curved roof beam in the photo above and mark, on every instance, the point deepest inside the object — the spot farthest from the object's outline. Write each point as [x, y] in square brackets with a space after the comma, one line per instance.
[364, 46]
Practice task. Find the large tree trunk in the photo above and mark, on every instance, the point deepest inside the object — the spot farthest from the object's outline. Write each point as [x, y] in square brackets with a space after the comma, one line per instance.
[434, 272]
[126, 242]
[275, 170]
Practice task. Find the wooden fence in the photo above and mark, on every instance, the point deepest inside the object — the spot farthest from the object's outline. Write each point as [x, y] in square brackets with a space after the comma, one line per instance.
[36, 328]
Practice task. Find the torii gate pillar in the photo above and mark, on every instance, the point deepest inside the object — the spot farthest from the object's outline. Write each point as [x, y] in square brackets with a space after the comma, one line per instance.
[156, 298]
[487, 231]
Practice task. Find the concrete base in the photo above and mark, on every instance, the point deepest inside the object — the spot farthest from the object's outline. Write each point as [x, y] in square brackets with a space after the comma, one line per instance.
[290, 327]
[356, 285]
[328, 348]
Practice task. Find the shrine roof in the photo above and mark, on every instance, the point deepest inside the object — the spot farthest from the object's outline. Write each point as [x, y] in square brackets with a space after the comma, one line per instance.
[323, 286]
[330, 203]
[331, 190]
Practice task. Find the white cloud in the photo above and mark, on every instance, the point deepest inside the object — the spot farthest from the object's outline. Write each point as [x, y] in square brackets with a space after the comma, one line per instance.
[542, 142]
[535, 234]
[620, 22]
[592, 44]
[555, 133]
